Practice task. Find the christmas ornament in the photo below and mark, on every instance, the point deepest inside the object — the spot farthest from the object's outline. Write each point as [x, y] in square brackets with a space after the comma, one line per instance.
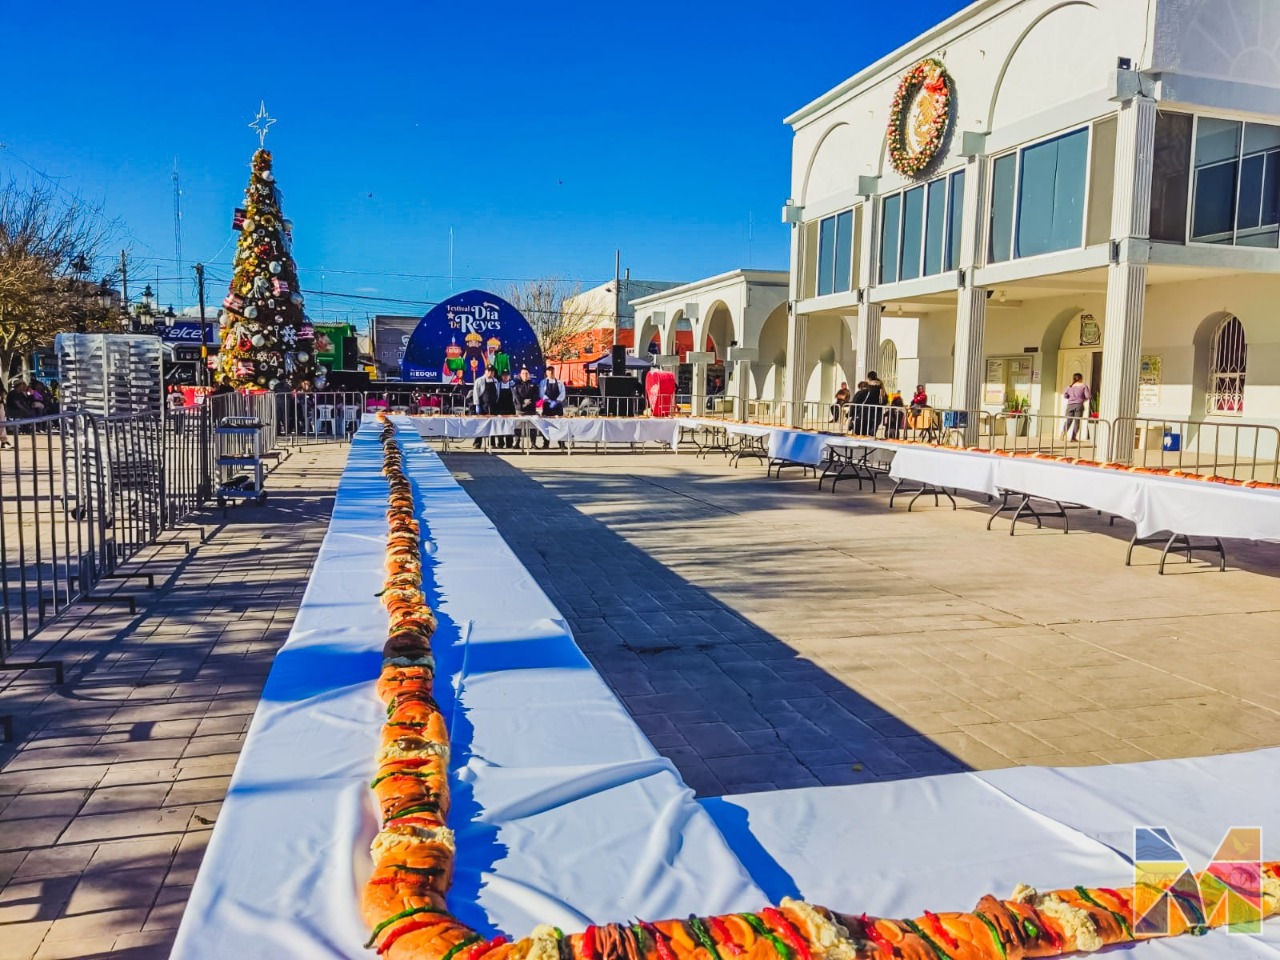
[257, 340]
[248, 225]
[251, 311]
[274, 267]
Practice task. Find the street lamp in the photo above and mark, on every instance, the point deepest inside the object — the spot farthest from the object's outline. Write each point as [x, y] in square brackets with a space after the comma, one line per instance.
[145, 315]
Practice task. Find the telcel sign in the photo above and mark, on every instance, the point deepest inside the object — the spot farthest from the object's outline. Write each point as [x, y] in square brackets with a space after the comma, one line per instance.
[186, 333]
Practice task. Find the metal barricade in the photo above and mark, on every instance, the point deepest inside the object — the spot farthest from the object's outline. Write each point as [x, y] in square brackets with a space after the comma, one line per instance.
[1238, 451]
[1086, 438]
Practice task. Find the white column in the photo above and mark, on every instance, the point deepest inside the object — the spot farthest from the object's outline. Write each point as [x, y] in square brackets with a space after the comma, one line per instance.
[969, 368]
[797, 369]
[1127, 275]
[867, 340]
[970, 362]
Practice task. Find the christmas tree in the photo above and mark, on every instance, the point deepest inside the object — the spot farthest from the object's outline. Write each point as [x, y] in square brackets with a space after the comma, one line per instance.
[266, 338]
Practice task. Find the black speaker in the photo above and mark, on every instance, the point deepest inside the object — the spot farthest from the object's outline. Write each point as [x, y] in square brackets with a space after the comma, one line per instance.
[619, 359]
[623, 396]
[350, 353]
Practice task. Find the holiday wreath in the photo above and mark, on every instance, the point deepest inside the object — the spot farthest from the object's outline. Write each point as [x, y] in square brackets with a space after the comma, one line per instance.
[919, 116]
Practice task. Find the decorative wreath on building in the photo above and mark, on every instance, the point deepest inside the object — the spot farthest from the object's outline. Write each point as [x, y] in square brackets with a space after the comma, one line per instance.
[919, 116]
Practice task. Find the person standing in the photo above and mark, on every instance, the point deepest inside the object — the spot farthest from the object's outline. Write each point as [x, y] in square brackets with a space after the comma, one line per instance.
[484, 397]
[552, 392]
[505, 406]
[525, 393]
[1077, 396]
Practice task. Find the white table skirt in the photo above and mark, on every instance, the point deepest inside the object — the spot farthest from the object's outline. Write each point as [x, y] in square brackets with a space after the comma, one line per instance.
[955, 469]
[575, 429]
[564, 812]
[939, 843]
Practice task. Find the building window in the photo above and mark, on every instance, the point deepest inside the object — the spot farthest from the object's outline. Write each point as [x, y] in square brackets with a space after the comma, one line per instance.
[1038, 198]
[1217, 163]
[1171, 177]
[890, 227]
[835, 254]
[888, 368]
[920, 229]
[1003, 183]
[1227, 361]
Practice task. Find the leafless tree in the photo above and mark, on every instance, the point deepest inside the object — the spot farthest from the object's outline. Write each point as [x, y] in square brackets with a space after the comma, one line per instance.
[557, 312]
[47, 246]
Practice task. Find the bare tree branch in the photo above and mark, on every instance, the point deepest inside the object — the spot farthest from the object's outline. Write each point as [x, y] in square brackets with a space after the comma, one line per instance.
[555, 311]
[45, 243]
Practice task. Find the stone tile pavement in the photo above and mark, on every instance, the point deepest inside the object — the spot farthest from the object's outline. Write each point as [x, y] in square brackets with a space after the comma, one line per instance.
[767, 635]
[109, 794]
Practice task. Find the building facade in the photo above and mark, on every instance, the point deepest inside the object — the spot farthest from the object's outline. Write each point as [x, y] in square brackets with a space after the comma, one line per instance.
[1036, 188]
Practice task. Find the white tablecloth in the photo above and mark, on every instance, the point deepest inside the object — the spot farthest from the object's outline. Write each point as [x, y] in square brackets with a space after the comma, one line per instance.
[608, 429]
[563, 810]
[574, 429]
[955, 469]
[940, 843]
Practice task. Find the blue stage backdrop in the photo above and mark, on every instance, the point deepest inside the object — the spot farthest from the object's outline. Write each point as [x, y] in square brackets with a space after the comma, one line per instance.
[459, 338]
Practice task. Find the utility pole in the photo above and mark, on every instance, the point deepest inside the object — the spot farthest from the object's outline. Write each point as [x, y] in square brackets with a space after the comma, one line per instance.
[124, 286]
[177, 229]
[205, 490]
[617, 296]
[203, 379]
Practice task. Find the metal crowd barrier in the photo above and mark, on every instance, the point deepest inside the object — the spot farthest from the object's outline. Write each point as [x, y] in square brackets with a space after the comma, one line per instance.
[1239, 451]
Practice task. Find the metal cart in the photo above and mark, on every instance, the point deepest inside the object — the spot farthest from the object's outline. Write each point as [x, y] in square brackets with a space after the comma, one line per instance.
[239, 452]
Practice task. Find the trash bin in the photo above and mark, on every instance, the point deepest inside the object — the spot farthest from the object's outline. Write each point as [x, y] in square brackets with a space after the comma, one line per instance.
[1172, 441]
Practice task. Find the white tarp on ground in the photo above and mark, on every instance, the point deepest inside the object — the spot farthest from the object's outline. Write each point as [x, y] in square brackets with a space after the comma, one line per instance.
[563, 810]
[940, 843]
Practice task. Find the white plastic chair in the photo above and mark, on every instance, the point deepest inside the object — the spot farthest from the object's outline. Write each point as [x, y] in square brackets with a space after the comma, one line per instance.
[324, 414]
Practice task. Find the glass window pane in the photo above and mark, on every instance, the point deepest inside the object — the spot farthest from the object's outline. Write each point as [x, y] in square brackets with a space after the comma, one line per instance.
[1002, 182]
[1051, 195]
[1260, 137]
[844, 238]
[955, 220]
[935, 226]
[1258, 179]
[1216, 140]
[1249, 205]
[1271, 190]
[1211, 220]
[912, 232]
[1171, 177]
[1216, 168]
[890, 220]
[827, 256]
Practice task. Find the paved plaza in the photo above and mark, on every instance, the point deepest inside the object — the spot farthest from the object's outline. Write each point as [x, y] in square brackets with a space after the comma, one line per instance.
[109, 795]
[767, 635]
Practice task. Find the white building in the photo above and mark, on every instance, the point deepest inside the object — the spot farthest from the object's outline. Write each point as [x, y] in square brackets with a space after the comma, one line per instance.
[746, 308]
[1105, 199]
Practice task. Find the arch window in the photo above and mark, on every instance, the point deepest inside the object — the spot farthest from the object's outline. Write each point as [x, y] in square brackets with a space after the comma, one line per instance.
[1227, 361]
[888, 368]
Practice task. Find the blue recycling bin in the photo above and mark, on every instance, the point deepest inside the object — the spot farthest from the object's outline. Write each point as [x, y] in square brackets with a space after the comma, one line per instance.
[953, 419]
[1172, 441]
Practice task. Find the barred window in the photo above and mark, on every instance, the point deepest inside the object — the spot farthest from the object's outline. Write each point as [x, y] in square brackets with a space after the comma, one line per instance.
[888, 368]
[1227, 368]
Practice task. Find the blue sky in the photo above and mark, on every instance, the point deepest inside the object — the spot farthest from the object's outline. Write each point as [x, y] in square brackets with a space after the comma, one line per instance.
[546, 135]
